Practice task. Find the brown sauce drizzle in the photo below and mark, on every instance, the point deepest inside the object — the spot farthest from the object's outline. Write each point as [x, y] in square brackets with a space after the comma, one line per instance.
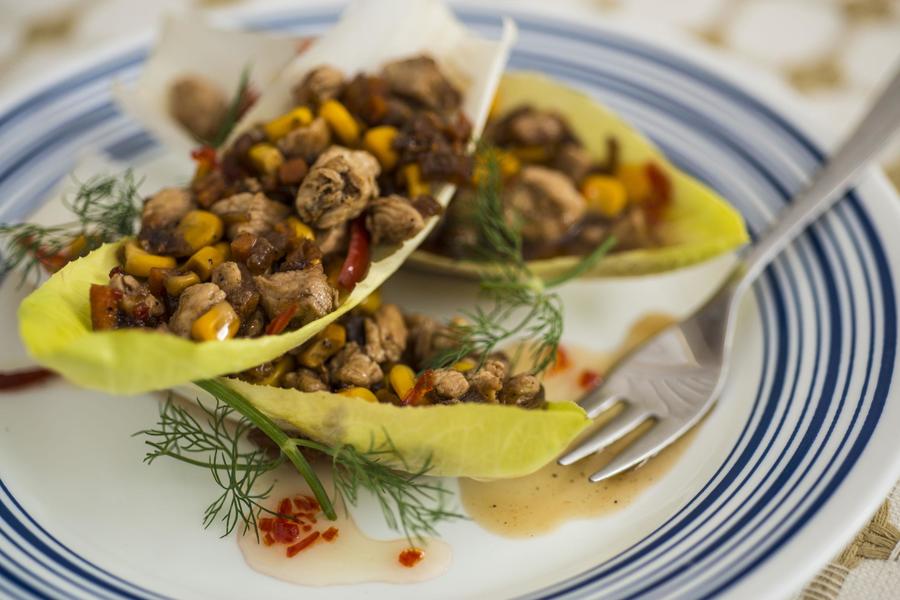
[11, 381]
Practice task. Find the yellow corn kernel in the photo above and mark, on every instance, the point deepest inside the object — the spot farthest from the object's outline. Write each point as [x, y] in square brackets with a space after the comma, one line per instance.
[414, 185]
[265, 158]
[279, 127]
[224, 249]
[322, 347]
[466, 364]
[359, 392]
[531, 154]
[218, 323]
[636, 182]
[282, 367]
[509, 164]
[379, 141]
[402, 379]
[341, 121]
[200, 228]
[204, 261]
[175, 284]
[138, 261]
[605, 195]
[372, 303]
[301, 229]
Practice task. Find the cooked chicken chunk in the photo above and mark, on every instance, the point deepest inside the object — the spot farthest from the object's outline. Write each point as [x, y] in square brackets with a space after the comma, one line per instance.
[308, 288]
[305, 380]
[333, 239]
[575, 161]
[137, 302]
[237, 283]
[448, 385]
[307, 142]
[386, 334]
[198, 104]
[524, 391]
[528, 126]
[166, 208]
[192, 304]
[251, 213]
[546, 202]
[352, 366]
[420, 79]
[338, 187]
[487, 380]
[321, 84]
[393, 219]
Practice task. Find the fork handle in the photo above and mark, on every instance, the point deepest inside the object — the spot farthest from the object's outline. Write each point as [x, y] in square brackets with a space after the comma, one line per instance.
[830, 183]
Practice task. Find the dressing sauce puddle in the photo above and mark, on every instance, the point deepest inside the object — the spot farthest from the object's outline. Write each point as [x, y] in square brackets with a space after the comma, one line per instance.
[540, 502]
[350, 557]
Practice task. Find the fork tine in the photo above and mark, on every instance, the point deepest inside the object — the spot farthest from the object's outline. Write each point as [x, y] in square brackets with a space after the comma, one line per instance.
[649, 444]
[597, 402]
[620, 426]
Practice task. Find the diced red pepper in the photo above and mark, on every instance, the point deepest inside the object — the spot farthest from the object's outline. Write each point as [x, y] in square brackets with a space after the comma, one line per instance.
[265, 524]
[562, 362]
[306, 504]
[104, 307]
[589, 379]
[281, 321]
[284, 507]
[330, 534]
[410, 557]
[302, 544]
[285, 532]
[424, 384]
[357, 262]
[268, 540]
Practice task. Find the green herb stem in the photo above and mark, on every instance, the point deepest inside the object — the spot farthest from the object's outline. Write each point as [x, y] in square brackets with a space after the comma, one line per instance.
[287, 445]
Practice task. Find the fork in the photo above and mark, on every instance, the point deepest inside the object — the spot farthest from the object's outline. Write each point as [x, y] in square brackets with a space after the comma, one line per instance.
[674, 377]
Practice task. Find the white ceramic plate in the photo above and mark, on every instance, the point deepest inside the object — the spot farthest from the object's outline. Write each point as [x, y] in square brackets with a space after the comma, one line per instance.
[796, 456]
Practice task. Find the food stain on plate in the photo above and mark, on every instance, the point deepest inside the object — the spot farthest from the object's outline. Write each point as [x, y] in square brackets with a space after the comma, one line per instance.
[299, 545]
[538, 503]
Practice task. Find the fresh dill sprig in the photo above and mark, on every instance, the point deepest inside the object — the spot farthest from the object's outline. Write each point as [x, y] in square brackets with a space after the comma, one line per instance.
[218, 442]
[523, 305]
[233, 114]
[106, 208]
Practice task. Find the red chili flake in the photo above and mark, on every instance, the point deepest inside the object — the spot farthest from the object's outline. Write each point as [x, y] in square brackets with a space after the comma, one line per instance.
[307, 527]
[563, 361]
[17, 380]
[589, 379]
[285, 532]
[282, 319]
[410, 557]
[284, 507]
[268, 540]
[306, 504]
[330, 534]
[302, 544]
[205, 154]
[265, 524]
[424, 384]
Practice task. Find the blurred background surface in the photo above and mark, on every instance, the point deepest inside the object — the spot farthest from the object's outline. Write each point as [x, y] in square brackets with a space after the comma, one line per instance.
[835, 53]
